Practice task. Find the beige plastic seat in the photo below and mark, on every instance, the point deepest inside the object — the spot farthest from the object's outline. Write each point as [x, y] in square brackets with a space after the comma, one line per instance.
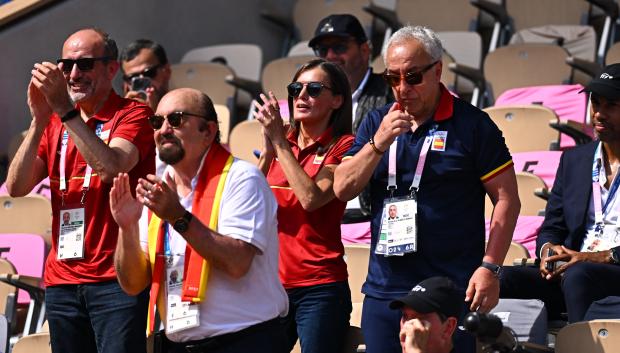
[433, 14]
[356, 256]
[206, 77]
[308, 13]
[246, 60]
[29, 214]
[223, 117]
[35, 343]
[529, 186]
[613, 54]
[8, 293]
[597, 336]
[515, 251]
[278, 73]
[526, 127]
[245, 138]
[524, 65]
[300, 49]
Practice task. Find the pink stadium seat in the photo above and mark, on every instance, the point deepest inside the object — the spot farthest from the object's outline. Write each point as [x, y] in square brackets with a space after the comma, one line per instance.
[525, 232]
[42, 189]
[540, 163]
[565, 100]
[355, 233]
[27, 253]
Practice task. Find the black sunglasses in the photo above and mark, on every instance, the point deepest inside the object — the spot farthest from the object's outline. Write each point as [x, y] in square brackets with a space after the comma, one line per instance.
[84, 64]
[313, 88]
[321, 50]
[174, 119]
[150, 72]
[412, 78]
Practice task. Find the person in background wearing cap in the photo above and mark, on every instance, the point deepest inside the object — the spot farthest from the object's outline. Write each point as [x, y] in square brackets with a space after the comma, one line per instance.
[447, 158]
[342, 40]
[581, 223]
[430, 315]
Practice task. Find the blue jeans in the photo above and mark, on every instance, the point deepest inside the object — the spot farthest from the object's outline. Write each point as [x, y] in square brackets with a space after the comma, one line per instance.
[319, 316]
[97, 317]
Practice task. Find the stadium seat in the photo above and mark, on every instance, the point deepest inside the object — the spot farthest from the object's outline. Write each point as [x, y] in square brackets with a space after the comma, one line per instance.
[29, 214]
[597, 336]
[532, 121]
[223, 117]
[278, 73]
[206, 77]
[38, 342]
[246, 140]
[356, 257]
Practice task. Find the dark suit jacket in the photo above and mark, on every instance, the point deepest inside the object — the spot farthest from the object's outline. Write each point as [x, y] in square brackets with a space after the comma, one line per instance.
[567, 208]
[375, 95]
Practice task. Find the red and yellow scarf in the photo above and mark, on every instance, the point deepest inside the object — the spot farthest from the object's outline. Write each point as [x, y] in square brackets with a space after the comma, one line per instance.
[206, 207]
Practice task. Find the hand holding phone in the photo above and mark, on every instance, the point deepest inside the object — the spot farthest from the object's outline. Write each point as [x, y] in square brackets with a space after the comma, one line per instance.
[550, 265]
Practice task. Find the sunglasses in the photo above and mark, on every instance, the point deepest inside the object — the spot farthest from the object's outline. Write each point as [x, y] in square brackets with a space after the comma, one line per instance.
[84, 64]
[338, 49]
[412, 78]
[150, 72]
[313, 88]
[174, 119]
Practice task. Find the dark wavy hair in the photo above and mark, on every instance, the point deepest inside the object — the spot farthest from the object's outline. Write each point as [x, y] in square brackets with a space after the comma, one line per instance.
[341, 119]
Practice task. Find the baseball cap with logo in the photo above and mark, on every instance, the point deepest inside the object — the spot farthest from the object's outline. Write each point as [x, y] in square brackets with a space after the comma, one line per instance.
[435, 294]
[341, 25]
[607, 83]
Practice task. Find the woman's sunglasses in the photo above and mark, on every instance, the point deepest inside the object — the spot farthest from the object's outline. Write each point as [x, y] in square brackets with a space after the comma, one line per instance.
[313, 88]
[174, 119]
[150, 72]
[412, 78]
[84, 64]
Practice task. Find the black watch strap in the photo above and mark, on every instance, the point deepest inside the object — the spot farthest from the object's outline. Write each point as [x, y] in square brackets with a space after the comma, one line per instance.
[496, 269]
[615, 255]
[182, 224]
[70, 115]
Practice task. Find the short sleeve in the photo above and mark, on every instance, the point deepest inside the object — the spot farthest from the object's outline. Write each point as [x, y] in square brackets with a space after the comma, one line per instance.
[491, 154]
[334, 156]
[133, 126]
[248, 208]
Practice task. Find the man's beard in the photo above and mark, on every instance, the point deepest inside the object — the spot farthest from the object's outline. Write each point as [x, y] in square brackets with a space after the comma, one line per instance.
[77, 97]
[171, 154]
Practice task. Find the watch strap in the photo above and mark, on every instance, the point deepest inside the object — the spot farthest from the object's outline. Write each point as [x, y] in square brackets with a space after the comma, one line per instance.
[496, 269]
[69, 115]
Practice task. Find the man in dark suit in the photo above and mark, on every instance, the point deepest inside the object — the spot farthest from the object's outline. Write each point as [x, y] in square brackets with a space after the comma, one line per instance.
[341, 39]
[579, 241]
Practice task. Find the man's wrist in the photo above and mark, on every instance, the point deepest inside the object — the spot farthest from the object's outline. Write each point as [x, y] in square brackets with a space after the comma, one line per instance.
[69, 115]
[376, 149]
[496, 270]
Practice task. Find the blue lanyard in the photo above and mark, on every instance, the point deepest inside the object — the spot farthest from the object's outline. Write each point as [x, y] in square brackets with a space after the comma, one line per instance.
[167, 251]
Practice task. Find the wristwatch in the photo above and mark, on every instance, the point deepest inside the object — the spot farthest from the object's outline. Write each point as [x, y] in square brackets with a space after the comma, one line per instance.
[496, 269]
[69, 115]
[182, 224]
[614, 257]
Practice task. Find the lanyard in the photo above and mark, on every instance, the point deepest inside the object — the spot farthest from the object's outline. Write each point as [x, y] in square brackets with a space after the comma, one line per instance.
[63, 164]
[600, 209]
[167, 251]
[417, 177]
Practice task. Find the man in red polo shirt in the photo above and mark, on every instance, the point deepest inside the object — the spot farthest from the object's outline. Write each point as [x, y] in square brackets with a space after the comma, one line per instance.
[83, 134]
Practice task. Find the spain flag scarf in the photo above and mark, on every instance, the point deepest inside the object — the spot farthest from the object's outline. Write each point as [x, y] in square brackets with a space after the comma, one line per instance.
[205, 207]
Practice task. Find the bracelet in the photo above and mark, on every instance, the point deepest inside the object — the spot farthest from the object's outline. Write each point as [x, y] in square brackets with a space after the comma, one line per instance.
[70, 115]
[371, 142]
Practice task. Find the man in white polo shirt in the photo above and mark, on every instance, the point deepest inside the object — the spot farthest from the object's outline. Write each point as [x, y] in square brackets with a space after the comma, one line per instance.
[211, 222]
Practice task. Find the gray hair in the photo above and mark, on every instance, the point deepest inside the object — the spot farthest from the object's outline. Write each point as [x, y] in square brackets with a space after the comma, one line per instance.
[426, 36]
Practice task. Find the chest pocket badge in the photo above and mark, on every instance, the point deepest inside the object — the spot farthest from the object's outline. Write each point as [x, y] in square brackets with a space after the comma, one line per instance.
[440, 139]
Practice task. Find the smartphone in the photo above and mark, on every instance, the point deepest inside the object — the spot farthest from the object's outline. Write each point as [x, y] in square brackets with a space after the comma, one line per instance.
[550, 265]
[140, 84]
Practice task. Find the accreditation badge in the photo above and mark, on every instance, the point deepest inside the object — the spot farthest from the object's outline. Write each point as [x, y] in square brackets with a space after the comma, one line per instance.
[72, 230]
[398, 232]
[180, 315]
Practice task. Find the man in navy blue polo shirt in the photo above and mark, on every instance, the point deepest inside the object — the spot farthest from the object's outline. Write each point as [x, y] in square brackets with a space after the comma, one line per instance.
[457, 156]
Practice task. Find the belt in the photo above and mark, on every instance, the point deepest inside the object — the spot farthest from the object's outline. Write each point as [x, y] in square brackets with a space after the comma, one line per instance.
[215, 342]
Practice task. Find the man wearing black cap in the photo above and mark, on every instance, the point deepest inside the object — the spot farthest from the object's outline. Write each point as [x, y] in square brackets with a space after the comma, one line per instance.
[342, 40]
[579, 241]
[430, 314]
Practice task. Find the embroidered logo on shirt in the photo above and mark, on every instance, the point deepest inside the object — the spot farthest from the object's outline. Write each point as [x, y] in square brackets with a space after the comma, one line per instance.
[318, 159]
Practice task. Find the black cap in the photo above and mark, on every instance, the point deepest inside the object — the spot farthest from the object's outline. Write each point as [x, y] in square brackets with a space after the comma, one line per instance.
[436, 294]
[339, 26]
[607, 83]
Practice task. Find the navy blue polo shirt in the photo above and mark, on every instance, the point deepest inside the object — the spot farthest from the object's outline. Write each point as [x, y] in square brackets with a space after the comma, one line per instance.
[450, 197]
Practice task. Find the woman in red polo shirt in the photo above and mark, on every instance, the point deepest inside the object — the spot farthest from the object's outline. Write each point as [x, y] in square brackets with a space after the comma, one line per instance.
[299, 162]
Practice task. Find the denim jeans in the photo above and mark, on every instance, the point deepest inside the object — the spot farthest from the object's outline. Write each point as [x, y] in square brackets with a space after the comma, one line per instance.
[97, 317]
[319, 316]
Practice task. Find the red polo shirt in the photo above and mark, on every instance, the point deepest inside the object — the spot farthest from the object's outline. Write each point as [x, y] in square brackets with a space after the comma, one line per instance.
[311, 250]
[122, 118]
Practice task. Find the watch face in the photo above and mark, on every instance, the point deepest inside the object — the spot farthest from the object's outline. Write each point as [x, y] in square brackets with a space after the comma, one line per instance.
[181, 225]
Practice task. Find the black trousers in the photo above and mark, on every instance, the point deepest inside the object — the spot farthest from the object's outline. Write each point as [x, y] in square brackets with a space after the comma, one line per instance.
[265, 337]
[580, 285]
